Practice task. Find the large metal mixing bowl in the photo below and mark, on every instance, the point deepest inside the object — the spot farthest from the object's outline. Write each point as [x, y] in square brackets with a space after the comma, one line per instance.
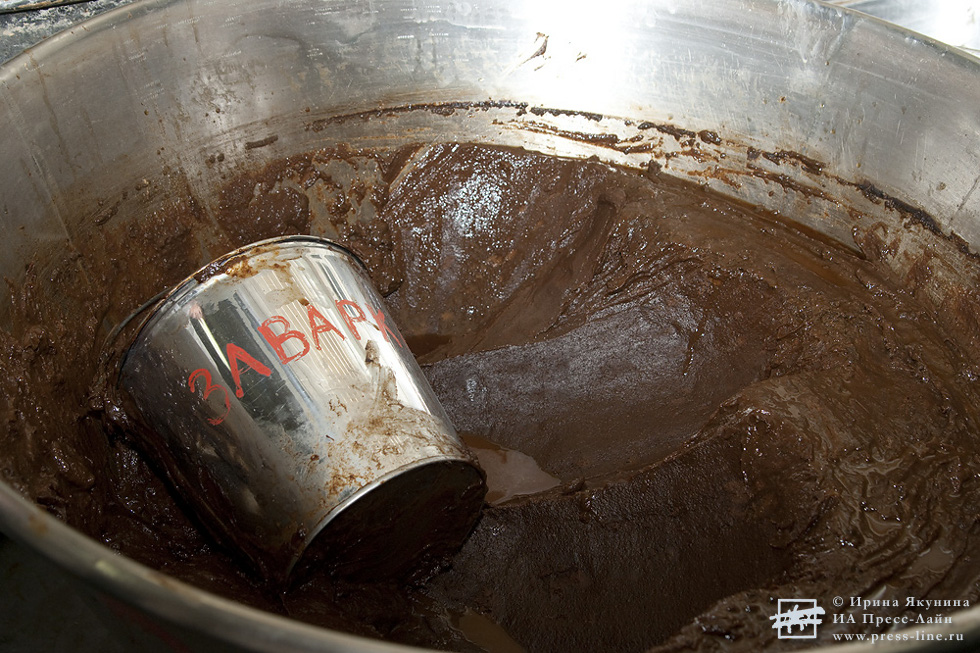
[862, 121]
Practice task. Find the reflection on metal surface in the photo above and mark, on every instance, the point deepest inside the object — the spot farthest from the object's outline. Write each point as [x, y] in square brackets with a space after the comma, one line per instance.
[277, 393]
[951, 21]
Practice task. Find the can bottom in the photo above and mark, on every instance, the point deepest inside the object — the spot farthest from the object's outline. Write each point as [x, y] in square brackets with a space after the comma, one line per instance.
[404, 527]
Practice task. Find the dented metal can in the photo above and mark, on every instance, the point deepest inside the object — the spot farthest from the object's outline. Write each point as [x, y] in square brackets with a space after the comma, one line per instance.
[285, 407]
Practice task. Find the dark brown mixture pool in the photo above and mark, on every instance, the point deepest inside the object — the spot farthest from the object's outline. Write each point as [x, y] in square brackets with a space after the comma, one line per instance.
[687, 408]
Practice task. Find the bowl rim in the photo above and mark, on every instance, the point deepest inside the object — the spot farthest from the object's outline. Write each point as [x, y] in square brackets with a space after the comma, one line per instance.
[200, 611]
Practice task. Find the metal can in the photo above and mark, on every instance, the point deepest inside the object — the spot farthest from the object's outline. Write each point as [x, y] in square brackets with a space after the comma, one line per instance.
[286, 409]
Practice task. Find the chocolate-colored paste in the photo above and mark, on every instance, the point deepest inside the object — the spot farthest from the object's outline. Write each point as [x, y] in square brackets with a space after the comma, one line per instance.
[689, 408]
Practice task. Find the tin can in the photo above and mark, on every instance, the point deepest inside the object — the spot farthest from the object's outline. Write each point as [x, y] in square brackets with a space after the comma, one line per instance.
[286, 409]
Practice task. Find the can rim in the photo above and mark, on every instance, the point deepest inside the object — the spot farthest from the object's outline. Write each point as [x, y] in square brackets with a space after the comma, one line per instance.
[153, 305]
[205, 272]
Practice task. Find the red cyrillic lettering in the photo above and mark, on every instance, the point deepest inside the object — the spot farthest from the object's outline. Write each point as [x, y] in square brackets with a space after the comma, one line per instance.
[208, 389]
[278, 341]
[386, 331]
[348, 318]
[320, 324]
[236, 354]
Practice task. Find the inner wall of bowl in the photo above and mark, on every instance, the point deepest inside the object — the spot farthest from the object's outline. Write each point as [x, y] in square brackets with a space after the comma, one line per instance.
[794, 106]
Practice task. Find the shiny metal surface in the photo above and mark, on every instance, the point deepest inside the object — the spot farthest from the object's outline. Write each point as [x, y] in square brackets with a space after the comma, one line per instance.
[277, 393]
[950, 21]
[158, 89]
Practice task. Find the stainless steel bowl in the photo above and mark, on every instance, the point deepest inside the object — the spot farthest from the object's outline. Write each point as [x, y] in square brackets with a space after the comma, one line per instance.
[865, 123]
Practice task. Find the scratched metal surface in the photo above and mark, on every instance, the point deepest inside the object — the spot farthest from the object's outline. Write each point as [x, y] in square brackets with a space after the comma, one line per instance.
[24, 23]
[11, 6]
[40, 609]
[950, 21]
[22, 27]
